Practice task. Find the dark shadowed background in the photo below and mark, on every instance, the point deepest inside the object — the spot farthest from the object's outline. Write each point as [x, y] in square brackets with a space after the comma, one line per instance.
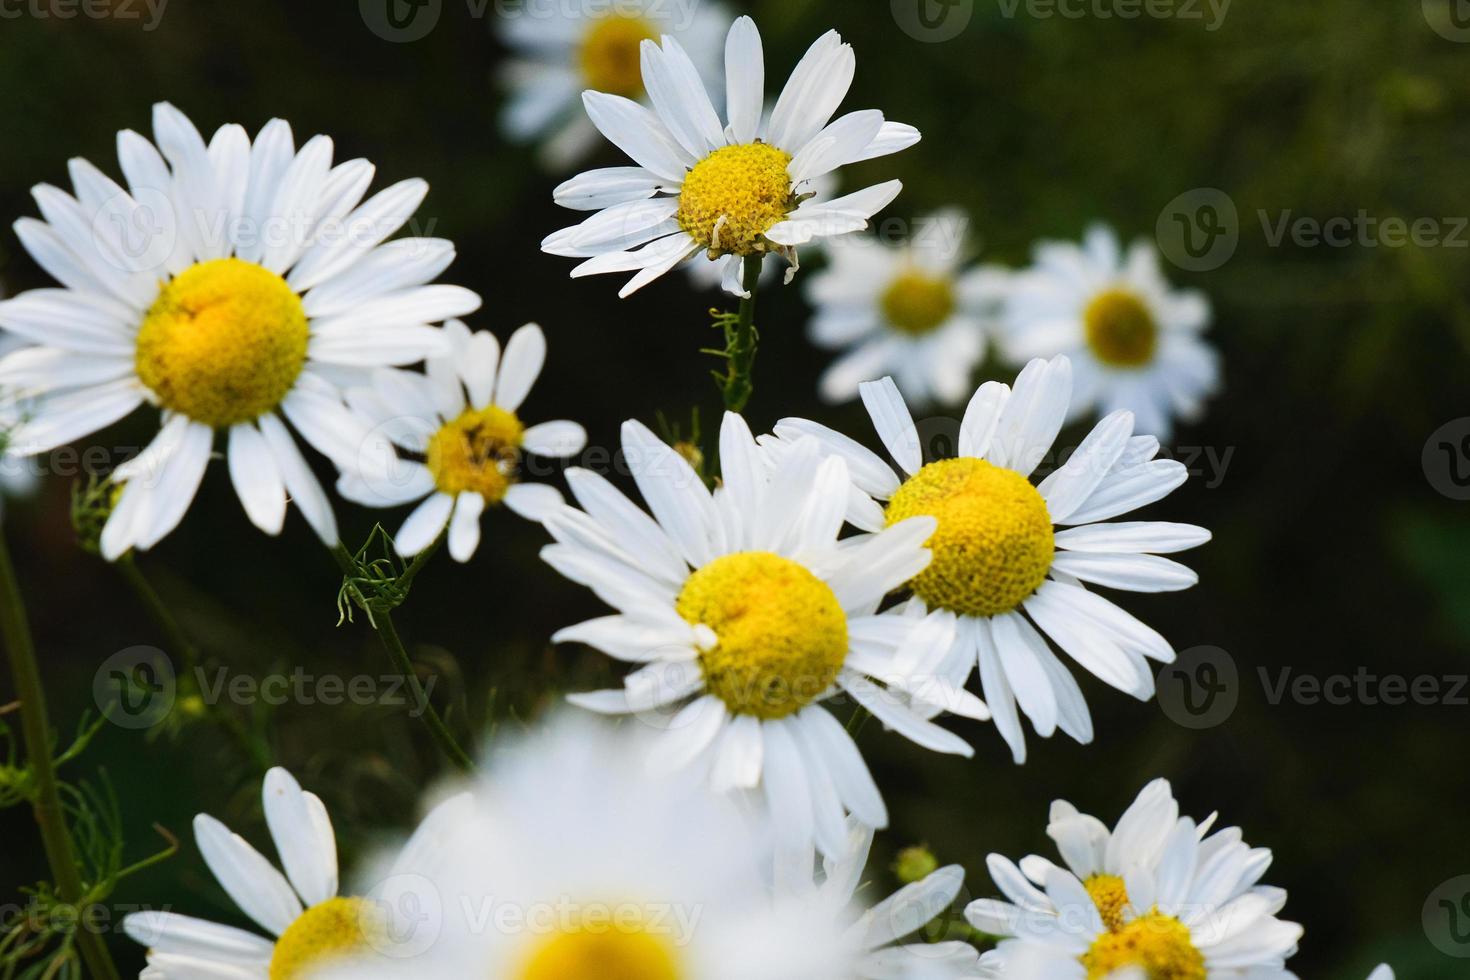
[1335, 551]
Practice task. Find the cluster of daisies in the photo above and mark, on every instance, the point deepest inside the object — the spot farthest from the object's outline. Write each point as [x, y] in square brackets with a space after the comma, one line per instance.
[251, 292]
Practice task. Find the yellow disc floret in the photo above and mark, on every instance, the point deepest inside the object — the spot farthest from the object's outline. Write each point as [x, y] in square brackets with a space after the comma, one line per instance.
[994, 544]
[1110, 895]
[1156, 945]
[732, 197]
[223, 343]
[782, 633]
[325, 933]
[478, 452]
[612, 953]
[610, 57]
[1120, 329]
[917, 303]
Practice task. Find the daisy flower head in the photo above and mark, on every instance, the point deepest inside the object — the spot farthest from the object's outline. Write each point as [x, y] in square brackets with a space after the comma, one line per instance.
[562, 47]
[745, 614]
[461, 420]
[310, 925]
[916, 311]
[877, 931]
[575, 862]
[1159, 897]
[1012, 559]
[1135, 342]
[230, 284]
[709, 191]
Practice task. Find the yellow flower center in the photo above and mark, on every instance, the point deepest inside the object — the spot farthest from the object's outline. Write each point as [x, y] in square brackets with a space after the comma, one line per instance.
[327, 933]
[223, 343]
[610, 56]
[1157, 945]
[782, 633]
[994, 543]
[732, 197]
[1110, 896]
[916, 303]
[479, 452]
[611, 953]
[1120, 329]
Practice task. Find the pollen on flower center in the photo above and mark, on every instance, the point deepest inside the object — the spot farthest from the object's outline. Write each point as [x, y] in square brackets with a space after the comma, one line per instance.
[1156, 945]
[994, 545]
[732, 197]
[223, 343]
[478, 452]
[610, 56]
[917, 303]
[607, 953]
[1120, 329]
[327, 932]
[782, 633]
[1110, 895]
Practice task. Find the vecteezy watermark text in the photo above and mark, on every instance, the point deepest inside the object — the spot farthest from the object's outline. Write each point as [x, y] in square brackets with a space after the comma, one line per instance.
[149, 11]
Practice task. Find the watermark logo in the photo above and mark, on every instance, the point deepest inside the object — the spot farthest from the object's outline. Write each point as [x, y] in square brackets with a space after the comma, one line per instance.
[1450, 19]
[135, 688]
[401, 21]
[1446, 459]
[1199, 230]
[1200, 689]
[1446, 917]
[933, 21]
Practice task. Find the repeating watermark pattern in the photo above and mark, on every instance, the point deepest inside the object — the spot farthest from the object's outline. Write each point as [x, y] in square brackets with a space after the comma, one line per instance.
[933, 21]
[138, 688]
[1203, 687]
[148, 13]
[1200, 689]
[1450, 19]
[1446, 917]
[1200, 230]
[1446, 459]
[1209, 13]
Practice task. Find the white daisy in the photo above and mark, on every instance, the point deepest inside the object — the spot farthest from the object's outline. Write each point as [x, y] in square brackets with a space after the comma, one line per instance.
[310, 923]
[1135, 343]
[1011, 558]
[561, 47]
[1159, 896]
[18, 476]
[576, 863]
[461, 419]
[728, 191]
[746, 613]
[1382, 972]
[915, 311]
[876, 931]
[230, 284]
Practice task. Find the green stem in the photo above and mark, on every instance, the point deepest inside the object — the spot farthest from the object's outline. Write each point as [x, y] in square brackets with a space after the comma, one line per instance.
[188, 652]
[382, 621]
[46, 803]
[740, 343]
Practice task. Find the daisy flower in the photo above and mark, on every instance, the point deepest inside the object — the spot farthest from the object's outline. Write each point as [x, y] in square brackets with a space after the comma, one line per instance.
[461, 419]
[575, 862]
[311, 924]
[1159, 896]
[727, 191]
[561, 48]
[915, 311]
[746, 613]
[230, 284]
[1135, 343]
[1012, 558]
[876, 932]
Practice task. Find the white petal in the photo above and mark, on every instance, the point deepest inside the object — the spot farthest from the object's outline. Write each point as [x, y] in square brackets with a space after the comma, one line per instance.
[260, 891]
[306, 845]
[256, 479]
[464, 526]
[533, 501]
[525, 353]
[745, 80]
[424, 525]
[893, 422]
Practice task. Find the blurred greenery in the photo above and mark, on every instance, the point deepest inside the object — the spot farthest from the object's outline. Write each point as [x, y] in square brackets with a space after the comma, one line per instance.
[1332, 551]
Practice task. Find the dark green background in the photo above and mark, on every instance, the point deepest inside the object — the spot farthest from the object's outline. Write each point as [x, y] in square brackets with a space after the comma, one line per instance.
[1332, 550]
